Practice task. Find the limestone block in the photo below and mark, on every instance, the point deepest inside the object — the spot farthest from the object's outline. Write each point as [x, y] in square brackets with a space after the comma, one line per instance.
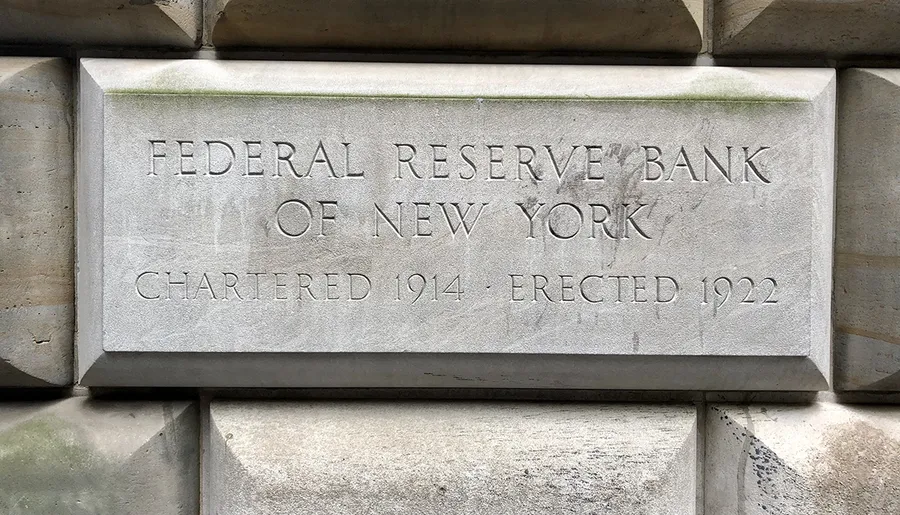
[37, 250]
[84, 457]
[867, 233]
[811, 27]
[452, 458]
[403, 225]
[595, 25]
[802, 459]
[163, 23]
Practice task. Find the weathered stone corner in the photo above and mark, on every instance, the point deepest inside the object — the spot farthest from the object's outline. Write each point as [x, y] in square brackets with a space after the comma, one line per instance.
[867, 233]
[801, 27]
[81, 456]
[163, 23]
[802, 460]
[186, 16]
[36, 223]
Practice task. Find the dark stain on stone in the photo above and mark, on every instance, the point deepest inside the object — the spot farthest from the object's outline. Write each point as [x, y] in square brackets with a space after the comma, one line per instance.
[856, 471]
[764, 479]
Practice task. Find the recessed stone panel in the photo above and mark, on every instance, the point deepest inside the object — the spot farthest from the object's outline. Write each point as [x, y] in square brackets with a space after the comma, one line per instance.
[597, 25]
[395, 225]
[867, 239]
[84, 457]
[163, 23]
[802, 460]
[806, 27]
[37, 248]
[503, 458]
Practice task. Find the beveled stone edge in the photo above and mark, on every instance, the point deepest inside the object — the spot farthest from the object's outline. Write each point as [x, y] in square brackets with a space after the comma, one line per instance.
[484, 371]
[850, 378]
[722, 24]
[823, 230]
[189, 20]
[89, 163]
[732, 45]
[457, 81]
[173, 411]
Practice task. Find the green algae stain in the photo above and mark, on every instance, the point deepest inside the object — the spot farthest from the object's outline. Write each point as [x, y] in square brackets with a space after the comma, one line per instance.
[694, 96]
[709, 85]
[48, 467]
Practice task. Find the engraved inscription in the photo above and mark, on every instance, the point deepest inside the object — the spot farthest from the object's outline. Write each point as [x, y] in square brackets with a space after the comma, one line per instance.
[533, 162]
[610, 218]
[251, 286]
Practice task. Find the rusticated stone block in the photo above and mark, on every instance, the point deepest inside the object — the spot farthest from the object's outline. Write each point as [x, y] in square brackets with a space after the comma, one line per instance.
[452, 458]
[867, 233]
[36, 222]
[810, 27]
[802, 460]
[597, 25]
[166, 23]
[84, 457]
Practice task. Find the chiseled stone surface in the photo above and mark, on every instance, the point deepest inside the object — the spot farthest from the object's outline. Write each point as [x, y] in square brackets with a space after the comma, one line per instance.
[811, 27]
[166, 23]
[37, 250]
[84, 457]
[803, 459]
[867, 233]
[455, 458]
[403, 225]
[599, 25]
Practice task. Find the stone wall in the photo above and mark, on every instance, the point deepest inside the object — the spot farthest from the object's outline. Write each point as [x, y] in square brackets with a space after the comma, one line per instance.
[506, 257]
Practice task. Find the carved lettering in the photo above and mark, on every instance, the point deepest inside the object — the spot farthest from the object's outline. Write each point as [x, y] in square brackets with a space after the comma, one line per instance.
[593, 288]
[156, 153]
[186, 153]
[750, 166]
[210, 153]
[566, 220]
[254, 158]
[454, 216]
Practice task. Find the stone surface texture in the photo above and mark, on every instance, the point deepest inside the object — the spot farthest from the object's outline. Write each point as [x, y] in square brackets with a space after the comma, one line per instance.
[198, 265]
[599, 25]
[85, 457]
[163, 23]
[809, 27]
[802, 459]
[455, 458]
[867, 233]
[37, 280]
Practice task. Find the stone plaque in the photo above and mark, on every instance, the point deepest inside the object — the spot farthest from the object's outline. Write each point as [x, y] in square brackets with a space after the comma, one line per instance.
[424, 225]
